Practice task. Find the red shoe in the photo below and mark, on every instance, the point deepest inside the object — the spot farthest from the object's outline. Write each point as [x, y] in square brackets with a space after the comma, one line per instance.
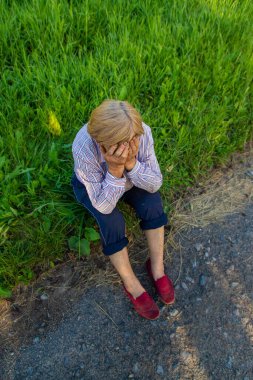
[163, 285]
[144, 305]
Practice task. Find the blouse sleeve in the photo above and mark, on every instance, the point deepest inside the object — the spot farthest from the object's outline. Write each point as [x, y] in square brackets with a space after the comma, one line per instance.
[104, 190]
[146, 173]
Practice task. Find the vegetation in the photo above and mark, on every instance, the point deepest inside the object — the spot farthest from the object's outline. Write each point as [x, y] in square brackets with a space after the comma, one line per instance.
[186, 65]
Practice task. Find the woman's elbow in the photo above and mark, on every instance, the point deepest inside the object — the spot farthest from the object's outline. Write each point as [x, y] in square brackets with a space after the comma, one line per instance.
[103, 208]
[156, 186]
[154, 189]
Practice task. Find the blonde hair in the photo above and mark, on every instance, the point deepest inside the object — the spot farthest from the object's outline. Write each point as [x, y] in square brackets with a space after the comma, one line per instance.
[113, 122]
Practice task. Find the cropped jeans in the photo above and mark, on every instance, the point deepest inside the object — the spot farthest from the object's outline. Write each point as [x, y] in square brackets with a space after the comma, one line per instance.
[148, 208]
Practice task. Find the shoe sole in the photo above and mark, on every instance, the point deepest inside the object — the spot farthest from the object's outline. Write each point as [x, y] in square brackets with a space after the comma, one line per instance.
[165, 303]
[150, 319]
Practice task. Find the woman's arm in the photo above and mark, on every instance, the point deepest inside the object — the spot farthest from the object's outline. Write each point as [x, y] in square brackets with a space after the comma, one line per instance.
[146, 173]
[104, 190]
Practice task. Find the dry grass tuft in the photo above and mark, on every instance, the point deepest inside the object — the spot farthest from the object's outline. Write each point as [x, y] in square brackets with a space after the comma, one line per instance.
[227, 190]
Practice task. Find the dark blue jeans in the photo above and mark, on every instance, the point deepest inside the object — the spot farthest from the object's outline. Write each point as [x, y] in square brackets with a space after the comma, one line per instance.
[148, 207]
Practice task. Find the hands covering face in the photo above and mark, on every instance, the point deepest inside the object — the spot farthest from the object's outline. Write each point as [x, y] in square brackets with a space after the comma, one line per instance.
[121, 156]
[116, 154]
[133, 148]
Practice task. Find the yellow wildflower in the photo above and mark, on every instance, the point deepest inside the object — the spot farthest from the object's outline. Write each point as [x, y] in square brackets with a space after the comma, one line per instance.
[54, 125]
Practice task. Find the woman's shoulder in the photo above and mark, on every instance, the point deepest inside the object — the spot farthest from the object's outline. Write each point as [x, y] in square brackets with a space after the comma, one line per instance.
[147, 132]
[147, 138]
[83, 142]
[146, 127]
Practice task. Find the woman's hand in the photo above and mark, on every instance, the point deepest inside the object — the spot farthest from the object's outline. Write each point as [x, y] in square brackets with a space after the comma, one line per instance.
[116, 157]
[132, 153]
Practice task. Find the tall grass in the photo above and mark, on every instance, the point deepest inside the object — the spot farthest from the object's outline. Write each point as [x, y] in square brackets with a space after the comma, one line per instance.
[187, 66]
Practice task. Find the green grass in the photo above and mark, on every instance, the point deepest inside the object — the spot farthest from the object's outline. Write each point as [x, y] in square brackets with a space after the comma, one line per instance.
[187, 66]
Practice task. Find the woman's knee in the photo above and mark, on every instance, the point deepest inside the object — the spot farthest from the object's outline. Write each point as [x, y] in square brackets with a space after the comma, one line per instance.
[150, 206]
[151, 212]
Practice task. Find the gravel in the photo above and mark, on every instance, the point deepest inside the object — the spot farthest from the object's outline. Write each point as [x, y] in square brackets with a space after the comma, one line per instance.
[207, 334]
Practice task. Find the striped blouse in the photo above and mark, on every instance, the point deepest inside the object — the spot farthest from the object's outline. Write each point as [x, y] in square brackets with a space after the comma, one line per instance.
[104, 189]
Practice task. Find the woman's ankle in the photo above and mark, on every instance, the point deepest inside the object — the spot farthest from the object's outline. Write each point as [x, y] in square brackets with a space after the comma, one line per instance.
[157, 270]
[134, 288]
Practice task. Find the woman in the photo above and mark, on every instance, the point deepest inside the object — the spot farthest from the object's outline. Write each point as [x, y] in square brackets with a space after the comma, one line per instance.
[114, 159]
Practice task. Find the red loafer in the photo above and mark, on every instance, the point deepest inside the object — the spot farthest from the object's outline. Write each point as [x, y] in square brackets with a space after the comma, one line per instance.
[144, 305]
[163, 285]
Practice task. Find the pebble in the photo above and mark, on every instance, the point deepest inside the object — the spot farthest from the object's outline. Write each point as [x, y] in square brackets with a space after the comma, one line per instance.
[179, 329]
[229, 362]
[188, 278]
[174, 312]
[206, 254]
[185, 355]
[184, 286]
[245, 321]
[249, 173]
[234, 284]
[160, 370]
[36, 339]
[175, 364]
[83, 347]
[198, 246]
[77, 373]
[131, 376]
[29, 371]
[202, 280]
[44, 297]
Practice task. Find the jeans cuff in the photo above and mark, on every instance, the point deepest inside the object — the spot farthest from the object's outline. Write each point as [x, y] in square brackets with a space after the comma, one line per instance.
[115, 247]
[154, 223]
